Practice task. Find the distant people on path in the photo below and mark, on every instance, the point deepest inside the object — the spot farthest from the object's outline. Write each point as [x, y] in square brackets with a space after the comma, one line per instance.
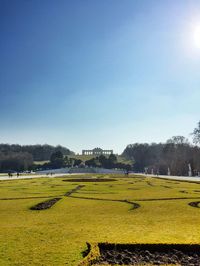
[126, 172]
[9, 174]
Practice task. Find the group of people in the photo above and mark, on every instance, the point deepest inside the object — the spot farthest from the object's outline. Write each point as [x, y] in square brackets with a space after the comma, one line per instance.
[10, 174]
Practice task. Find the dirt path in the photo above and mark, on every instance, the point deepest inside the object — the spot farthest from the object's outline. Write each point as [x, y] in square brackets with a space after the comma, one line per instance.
[28, 176]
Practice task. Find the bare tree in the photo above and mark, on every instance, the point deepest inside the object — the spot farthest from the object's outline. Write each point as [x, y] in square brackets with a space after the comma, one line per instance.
[196, 134]
[177, 140]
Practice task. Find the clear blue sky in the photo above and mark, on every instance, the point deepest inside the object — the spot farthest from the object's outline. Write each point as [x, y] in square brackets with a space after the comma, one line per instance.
[98, 72]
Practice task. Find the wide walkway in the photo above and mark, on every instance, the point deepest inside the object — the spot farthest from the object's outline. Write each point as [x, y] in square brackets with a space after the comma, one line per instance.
[6, 177]
[24, 176]
[183, 178]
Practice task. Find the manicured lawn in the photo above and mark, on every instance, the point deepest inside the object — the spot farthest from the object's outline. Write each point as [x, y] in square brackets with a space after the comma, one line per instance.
[84, 158]
[94, 213]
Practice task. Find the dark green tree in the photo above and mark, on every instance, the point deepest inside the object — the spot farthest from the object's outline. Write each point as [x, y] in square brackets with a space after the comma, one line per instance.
[113, 158]
[57, 160]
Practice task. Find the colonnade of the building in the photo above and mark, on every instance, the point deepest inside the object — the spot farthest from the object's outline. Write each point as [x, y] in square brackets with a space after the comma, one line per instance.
[93, 152]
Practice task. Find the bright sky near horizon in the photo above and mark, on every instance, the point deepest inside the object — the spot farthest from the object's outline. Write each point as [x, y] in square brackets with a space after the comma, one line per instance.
[103, 73]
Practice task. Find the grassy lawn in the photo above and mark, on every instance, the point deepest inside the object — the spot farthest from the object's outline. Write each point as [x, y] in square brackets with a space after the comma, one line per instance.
[94, 213]
[41, 162]
[84, 158]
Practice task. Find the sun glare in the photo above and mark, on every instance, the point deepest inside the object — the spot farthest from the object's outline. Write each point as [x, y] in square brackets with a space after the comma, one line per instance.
[196, 36]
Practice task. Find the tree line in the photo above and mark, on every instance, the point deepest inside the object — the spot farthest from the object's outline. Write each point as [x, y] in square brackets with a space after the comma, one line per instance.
[174, 157]
[15, 161]
[58, 160]
[107, 162]
[20, 158]
[39, 152]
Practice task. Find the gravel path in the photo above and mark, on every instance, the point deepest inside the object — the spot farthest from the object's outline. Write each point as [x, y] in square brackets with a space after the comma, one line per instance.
[183, 178]
[6, 177]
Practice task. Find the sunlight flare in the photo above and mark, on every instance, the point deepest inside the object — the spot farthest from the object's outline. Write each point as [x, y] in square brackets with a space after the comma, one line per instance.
[196, 36]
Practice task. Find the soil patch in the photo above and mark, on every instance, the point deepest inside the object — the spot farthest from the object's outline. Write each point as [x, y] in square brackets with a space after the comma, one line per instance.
[150, 184]
[45, 205]
[74, 190]
[195, 204]
[153, 254]
[90, 180]
[184, 191]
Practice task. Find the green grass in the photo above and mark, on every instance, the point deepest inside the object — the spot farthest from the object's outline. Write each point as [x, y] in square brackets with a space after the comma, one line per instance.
[57, 236]
[41, 162]
[84, 158]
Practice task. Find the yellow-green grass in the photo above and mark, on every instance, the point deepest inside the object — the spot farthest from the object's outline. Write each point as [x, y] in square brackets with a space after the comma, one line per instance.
[41, 162]
[58, 235]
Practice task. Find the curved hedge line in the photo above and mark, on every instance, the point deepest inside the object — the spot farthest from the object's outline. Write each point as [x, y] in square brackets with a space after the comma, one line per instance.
[93, 254]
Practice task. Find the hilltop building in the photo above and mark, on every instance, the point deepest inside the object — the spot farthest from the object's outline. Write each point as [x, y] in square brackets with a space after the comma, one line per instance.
[97, 151]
